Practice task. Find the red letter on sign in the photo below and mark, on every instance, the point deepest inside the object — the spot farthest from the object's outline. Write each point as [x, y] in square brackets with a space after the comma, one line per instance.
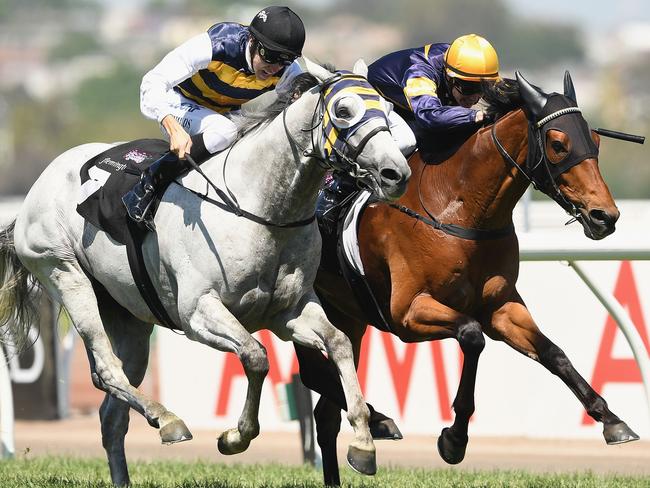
[614, 370]
[400, 370]
[232, 368]
[403, 370]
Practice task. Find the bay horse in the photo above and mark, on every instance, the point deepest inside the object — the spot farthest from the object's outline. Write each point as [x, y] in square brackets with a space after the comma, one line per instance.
[221, 273]
[443, 261]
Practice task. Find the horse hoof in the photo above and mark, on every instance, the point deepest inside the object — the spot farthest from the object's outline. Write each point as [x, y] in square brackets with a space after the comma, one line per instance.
[385, 429]
[175, 431]
[619, 433]
[450, 448]
[362, 460]
[230, 442]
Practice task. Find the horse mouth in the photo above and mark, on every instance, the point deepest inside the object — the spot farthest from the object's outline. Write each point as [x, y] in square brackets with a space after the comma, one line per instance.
[390, 184]
[392, 192]
[597, 223]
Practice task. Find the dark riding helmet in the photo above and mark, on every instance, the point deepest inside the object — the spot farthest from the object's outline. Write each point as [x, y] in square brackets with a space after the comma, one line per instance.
[279, 30]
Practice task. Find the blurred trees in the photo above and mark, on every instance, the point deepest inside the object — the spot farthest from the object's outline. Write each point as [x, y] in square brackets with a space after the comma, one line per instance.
[518, 41]
[105, 107]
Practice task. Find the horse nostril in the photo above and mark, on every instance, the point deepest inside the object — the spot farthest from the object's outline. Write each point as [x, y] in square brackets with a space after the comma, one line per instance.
[602, 217]
[389, 175]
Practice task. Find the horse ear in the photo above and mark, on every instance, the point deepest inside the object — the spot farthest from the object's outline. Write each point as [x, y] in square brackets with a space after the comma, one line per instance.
[569, 90]
[360, 68]
[533, 97]
[315, 69]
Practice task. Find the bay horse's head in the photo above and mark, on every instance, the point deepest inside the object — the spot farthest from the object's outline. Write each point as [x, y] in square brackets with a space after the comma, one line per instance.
[563, 157]
[356, 138]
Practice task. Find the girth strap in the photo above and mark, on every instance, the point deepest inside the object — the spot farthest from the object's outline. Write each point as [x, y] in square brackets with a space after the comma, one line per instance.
[134, 239]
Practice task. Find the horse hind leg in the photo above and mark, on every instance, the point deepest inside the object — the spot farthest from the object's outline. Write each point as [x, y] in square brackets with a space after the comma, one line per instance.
[211, 323]
[514, 325]
[320, 375]
[74, 290]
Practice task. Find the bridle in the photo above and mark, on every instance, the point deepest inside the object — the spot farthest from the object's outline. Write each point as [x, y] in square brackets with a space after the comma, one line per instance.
[537, 168]
[332, 148]
[331, 153]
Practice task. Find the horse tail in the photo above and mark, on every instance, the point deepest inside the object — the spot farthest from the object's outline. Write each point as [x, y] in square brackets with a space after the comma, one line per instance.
[19, 294]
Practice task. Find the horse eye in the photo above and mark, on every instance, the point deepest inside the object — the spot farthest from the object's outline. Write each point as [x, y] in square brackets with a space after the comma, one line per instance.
[558, 146]
[342, 112]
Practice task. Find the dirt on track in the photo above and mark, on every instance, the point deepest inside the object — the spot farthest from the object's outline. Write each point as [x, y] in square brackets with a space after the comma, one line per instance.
[80, 436]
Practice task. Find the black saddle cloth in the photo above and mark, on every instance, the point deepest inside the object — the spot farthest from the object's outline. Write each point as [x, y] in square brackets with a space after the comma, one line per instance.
[125, 164]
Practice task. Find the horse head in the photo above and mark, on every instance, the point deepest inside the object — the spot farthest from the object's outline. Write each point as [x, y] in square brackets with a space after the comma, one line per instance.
[356, 138]
[563, 157]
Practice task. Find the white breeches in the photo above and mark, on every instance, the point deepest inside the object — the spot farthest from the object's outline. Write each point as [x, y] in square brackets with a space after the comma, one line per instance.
[219, 132]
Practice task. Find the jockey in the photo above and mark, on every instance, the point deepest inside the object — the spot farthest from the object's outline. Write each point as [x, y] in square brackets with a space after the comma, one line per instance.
[434, 87]
[192, 90]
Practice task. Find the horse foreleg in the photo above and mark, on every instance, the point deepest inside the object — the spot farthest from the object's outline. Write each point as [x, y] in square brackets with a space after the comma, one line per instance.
[328, 425]
[312, 328]
[430, 319]
[320, 375]
[212, 323]
[514, 325]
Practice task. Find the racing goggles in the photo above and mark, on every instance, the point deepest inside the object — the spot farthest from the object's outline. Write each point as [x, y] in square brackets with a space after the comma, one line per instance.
[467, 88]
[275, 57]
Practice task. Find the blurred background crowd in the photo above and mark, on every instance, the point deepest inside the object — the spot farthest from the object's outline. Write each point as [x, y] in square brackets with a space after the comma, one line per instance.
[70, 70]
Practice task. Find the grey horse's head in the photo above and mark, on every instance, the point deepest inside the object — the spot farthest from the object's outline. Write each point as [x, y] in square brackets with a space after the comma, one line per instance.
[356, 138]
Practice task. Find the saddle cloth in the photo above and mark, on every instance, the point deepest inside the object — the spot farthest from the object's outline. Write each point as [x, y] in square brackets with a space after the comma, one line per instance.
[340, 254]
[104, 180]
[107, 177]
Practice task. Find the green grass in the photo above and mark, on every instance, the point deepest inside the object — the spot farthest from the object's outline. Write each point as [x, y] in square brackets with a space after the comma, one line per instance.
[51, 472]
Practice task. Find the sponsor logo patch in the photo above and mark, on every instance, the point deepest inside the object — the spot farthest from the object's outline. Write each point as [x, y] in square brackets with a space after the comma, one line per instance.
[136, 156]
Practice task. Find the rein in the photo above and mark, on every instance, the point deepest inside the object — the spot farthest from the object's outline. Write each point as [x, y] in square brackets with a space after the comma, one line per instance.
[340, 162]
[456, 230]
[468, 233]
[232, 206]
[536, 159]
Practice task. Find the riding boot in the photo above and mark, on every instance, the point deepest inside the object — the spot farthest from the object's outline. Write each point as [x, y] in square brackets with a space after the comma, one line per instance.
[332, 197]
[156, 177]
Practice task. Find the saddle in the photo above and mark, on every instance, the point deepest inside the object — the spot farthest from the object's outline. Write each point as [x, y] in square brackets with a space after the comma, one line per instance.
[104, 180]
[107, 177]
[338, 211]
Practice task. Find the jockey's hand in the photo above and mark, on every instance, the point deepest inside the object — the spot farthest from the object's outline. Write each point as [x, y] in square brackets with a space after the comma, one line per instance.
[179, 140]
[483, 118]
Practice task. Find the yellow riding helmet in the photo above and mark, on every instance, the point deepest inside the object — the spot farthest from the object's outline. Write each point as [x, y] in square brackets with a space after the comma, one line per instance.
[472, 58]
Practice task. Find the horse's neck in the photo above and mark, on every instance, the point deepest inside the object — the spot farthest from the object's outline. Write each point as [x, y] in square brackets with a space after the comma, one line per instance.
[268, 173]
[476, 187]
